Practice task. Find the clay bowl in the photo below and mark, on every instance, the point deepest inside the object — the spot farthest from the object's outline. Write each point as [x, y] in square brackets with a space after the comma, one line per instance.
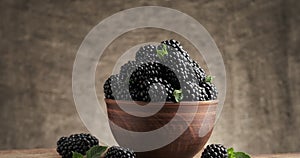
[191, 129]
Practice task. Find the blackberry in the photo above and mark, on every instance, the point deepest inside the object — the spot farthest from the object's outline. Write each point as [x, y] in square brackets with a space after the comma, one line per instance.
[146, 54]
[180, 64]
[160, 89]
[61, 140]
[119, 87]
[175, 44]
[215, 151]
[193, 92]
[119, 152]
[157, 92]
[147, 75]
[115, 87]
[80, 143]
[199, 72]
[107, 88]
[211, 92]
[127, 69]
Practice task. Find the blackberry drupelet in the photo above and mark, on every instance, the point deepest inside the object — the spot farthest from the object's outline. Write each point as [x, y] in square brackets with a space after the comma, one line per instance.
[215, 151]
[80, 143]
[119, 152]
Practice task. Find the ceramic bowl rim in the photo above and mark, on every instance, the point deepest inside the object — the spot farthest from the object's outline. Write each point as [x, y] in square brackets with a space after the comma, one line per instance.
[185, 103]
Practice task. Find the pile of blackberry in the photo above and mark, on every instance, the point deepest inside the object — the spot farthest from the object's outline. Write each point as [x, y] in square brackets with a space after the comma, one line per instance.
[80, 143]
[161, 73]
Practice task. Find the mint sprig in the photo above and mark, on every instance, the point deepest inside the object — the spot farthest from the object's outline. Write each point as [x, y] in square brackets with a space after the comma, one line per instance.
[162, 52]
[94, 152]
[209, 79]
[241, 155]
[178, 95]
[232, 154]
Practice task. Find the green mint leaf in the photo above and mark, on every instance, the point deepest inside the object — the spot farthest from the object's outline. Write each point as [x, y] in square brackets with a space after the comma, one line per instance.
[96, 151]
[209, 79]
[162, 52]
[178, 95]
[241, 155]
[77, 155]
[231, 153]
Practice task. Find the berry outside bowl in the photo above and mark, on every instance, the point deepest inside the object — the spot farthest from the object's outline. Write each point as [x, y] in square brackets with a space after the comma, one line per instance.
[189, 127]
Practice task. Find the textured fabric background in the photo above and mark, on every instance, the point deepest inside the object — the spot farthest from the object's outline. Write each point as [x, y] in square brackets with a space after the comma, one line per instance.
[259, 41]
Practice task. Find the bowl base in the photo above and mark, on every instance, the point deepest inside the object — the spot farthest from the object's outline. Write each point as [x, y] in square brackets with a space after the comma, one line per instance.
[175, 148]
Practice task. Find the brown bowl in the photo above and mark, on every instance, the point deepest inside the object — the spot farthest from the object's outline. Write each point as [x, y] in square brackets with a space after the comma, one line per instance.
[191, 128]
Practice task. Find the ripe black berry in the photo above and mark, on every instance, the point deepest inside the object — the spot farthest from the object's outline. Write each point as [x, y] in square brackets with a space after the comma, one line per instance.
[152, 81]
[119, 152]
[80, 143]
[146, 54]
[215, 151]
[176, 44]
[193, 92]
[127, 69]
[211, 92]
[107, 88]
[198, 71]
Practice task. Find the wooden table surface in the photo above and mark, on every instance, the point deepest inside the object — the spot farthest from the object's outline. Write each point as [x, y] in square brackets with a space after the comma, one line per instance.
[51, 153]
